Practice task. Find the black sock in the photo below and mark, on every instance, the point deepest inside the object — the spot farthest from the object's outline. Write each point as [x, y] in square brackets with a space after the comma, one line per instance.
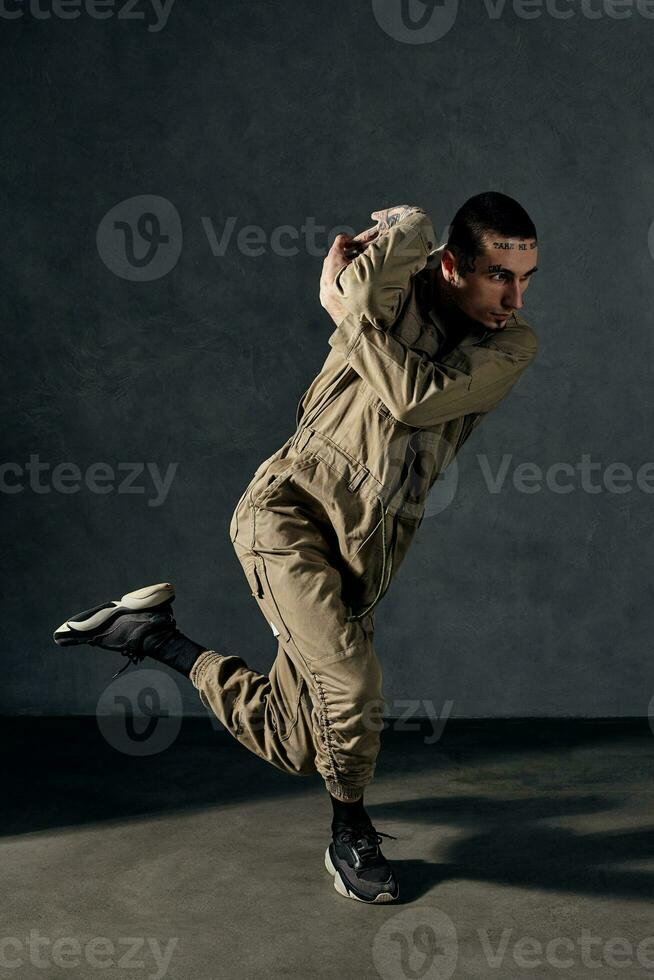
[348, 814]
[172, 648]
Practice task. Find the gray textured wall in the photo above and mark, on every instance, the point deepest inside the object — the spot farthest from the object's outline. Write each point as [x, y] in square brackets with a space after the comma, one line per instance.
[269, 114]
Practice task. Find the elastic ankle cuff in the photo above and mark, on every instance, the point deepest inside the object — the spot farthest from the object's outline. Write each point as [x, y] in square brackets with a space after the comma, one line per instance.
[202, 664]
[341, 792]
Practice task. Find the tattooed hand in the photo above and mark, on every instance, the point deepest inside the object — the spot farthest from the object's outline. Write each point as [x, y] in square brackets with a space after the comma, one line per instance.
[344, 249]
[390, 216]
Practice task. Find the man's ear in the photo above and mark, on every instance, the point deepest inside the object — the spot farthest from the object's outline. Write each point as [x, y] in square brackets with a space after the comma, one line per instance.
[448, 264]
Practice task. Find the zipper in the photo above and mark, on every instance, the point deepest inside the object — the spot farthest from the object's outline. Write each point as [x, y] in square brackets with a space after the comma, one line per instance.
[384, 580]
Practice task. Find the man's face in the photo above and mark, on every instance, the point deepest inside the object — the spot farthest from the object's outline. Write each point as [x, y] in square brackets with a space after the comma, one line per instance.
[496, 288]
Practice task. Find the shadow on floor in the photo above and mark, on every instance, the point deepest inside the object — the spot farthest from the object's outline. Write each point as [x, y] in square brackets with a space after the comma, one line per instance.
[64, 773]
[507, 842]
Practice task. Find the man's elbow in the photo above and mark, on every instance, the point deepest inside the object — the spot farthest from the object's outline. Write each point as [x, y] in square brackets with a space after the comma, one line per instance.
[529, 343]
[363, 303]
[365, 300]
[530, 346]
[416, 416]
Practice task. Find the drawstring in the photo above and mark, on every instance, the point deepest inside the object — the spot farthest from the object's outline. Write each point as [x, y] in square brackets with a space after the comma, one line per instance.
[381, 590]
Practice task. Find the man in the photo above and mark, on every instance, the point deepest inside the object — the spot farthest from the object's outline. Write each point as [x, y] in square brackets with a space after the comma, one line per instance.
[427, 342]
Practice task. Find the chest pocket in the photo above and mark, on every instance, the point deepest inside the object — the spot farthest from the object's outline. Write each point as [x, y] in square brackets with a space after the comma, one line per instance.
[413, 327]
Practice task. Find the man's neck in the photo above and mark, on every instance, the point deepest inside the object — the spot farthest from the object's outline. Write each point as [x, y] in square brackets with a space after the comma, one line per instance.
[448, 311]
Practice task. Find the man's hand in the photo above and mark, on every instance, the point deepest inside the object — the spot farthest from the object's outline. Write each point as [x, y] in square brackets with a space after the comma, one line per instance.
[346, 248]
[390, 216]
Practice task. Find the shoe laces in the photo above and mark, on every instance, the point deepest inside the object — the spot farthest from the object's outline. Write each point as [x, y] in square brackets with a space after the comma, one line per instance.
[365, 840]
[132, 658]
[136, 655]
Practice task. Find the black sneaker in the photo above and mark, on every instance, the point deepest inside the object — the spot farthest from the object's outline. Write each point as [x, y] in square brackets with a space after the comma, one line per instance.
[122, 624]
[359, 868]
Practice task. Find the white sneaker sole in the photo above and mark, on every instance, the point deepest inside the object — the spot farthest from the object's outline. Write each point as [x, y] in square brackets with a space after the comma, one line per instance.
[80, 630]
[382, 899]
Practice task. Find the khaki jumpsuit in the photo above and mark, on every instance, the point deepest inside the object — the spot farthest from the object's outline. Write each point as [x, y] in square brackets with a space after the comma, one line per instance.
[326, 521]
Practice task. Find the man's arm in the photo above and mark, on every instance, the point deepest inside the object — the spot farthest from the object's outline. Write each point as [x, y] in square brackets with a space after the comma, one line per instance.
[375, 283]
[422, 392]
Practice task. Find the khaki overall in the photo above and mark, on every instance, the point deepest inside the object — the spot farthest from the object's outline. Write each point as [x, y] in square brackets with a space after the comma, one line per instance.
[326, 521]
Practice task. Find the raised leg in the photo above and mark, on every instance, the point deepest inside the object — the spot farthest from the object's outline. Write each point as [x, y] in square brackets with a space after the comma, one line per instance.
[271, 715]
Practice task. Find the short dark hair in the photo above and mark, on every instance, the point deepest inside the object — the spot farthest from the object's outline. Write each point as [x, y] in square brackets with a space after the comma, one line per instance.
[480, 215]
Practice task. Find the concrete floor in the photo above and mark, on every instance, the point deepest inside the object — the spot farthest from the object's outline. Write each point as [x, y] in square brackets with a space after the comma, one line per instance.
[524, 849]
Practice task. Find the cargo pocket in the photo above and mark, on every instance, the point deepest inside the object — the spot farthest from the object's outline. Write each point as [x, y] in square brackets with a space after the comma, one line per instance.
[286, 726]
[257, 576]
[279, 471]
